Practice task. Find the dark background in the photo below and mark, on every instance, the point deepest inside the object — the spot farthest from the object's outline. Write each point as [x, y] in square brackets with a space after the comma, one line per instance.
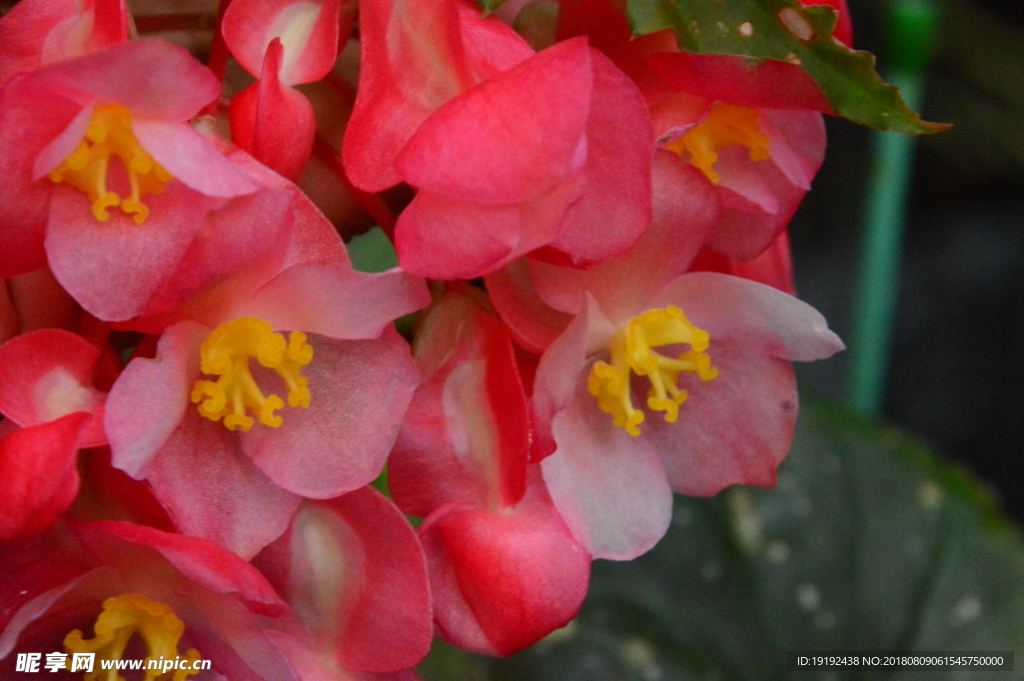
[956, 374]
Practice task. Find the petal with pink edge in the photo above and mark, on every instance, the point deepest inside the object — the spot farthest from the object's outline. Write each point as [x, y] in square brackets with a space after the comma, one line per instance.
[337, 301]
[307, 30]
[359, 582]
[23, 30]
[518, 573]
[189, 157]
[113, 268]
[609, 486]
[733, 430]
[45, 375]
[467, 433]
[510, 138]
[763, 319]
[615, 208]
[440, 237]
[153, 78]
[31, 116]
[38, 479]
[533, 322]
[205, 563]
[412, 62]
[359, 393]
[151, 397]
[212, 490]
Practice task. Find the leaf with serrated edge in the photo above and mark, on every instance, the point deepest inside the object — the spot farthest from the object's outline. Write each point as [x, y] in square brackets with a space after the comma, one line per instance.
[787, 31]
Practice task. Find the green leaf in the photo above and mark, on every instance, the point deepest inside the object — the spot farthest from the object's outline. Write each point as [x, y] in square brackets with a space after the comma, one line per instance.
[372, 252]
[785, 30]
[490, 5]
[868, 542]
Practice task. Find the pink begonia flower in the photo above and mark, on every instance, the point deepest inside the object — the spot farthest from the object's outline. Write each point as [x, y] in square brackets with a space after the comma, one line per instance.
[729, 403]
[52, 410]
[183, 596]
[114, 231]
[753, 127]
[34, 33]
[354, 574]
[282, 43]
[504, 568]
[191, 412]
[510, 151]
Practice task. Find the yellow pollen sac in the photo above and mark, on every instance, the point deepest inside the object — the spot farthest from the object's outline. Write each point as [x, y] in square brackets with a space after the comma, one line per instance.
[122, 618]
[110, 133]
[632, 350]
[226, 352]
[725, 124]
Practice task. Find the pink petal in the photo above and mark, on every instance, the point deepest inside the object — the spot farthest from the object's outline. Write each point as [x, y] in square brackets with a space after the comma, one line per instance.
[31, 116]
[360, 551]
[37, 470]
[61, 146]
[113, 268]
[618, 169]
[609, 486]
[44, 375]
[764, 320]
[466, 434]
[274, 122]
[153, 78]
[359, 393]
[445, 238]
[764, 84]
[685, 208]
[510, 138]
[533, 323]
[204, 563]
[236, 506]
[308, 31]
[23, 30]
[151, 397]
[732, 430]
[503, 580]
[189, 157]
[796, 143]
[412, 63]
[337, 301]
[491, 45]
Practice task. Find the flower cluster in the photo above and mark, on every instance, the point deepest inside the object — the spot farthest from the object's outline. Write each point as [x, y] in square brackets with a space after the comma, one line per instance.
[198, 387]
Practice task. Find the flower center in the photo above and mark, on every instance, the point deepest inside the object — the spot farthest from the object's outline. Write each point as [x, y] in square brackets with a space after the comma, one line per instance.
[226, 352]
[110, 133]
[122, 618]
[725, 124]
[632, 349]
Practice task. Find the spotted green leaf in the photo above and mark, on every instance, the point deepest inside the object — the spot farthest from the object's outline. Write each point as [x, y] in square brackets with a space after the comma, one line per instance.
[787, 31]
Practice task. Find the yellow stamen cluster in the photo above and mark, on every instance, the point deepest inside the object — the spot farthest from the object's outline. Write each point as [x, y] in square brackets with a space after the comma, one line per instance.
[110, 133]
[122, 618]
[226, 352]
[725, 124]
[632, 350]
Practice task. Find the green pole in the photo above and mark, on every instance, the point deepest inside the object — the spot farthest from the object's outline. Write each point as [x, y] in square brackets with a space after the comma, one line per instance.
[911, 27]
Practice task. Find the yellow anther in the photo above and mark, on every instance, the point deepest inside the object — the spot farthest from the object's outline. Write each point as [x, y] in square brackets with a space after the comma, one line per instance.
[226, 353]
[725, 125]
[110, 134]
[632, 352]
[122, 618]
